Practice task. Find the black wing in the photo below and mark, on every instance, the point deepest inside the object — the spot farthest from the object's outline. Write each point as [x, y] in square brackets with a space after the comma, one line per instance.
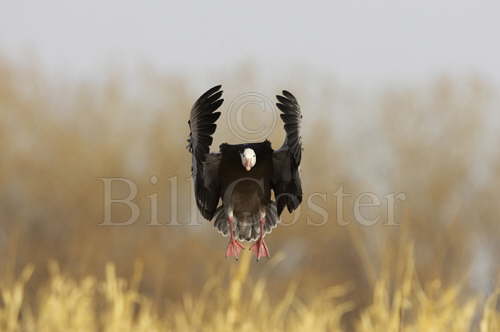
[286, 178]
[205, 165]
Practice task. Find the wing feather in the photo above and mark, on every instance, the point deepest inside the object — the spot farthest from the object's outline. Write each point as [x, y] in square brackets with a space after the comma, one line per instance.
[286, 177]
[292, 117]
[205, 165]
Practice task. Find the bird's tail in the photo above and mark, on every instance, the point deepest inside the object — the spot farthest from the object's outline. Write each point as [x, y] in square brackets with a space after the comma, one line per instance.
[247, 226]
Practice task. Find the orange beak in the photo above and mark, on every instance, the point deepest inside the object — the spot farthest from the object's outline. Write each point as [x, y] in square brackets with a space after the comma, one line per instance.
[247, 165]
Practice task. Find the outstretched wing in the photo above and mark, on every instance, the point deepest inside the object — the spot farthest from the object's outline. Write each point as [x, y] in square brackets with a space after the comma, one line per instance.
[205, 165]
[286, 178]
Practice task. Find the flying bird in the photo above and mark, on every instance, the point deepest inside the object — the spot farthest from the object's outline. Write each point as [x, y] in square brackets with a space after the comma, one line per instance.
[242, 176]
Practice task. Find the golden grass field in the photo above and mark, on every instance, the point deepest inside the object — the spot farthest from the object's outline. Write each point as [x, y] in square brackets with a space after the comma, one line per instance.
[436, 270]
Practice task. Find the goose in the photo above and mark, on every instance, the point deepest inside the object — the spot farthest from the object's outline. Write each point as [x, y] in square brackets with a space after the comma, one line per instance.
[233, 187]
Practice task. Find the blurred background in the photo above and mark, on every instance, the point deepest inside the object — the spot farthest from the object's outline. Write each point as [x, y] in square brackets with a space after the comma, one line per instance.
[397, 97]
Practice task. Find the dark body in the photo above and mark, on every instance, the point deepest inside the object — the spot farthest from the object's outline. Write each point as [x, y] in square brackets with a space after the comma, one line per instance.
[247, 193]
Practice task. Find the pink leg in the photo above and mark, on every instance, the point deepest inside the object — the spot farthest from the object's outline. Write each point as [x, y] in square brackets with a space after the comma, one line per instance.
[259, 248]
[233, 247]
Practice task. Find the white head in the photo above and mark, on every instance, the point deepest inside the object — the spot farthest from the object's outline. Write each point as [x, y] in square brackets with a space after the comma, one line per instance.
[248, 159]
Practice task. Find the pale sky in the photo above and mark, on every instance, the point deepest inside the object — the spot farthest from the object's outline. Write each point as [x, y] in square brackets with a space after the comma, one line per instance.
[355, 40]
